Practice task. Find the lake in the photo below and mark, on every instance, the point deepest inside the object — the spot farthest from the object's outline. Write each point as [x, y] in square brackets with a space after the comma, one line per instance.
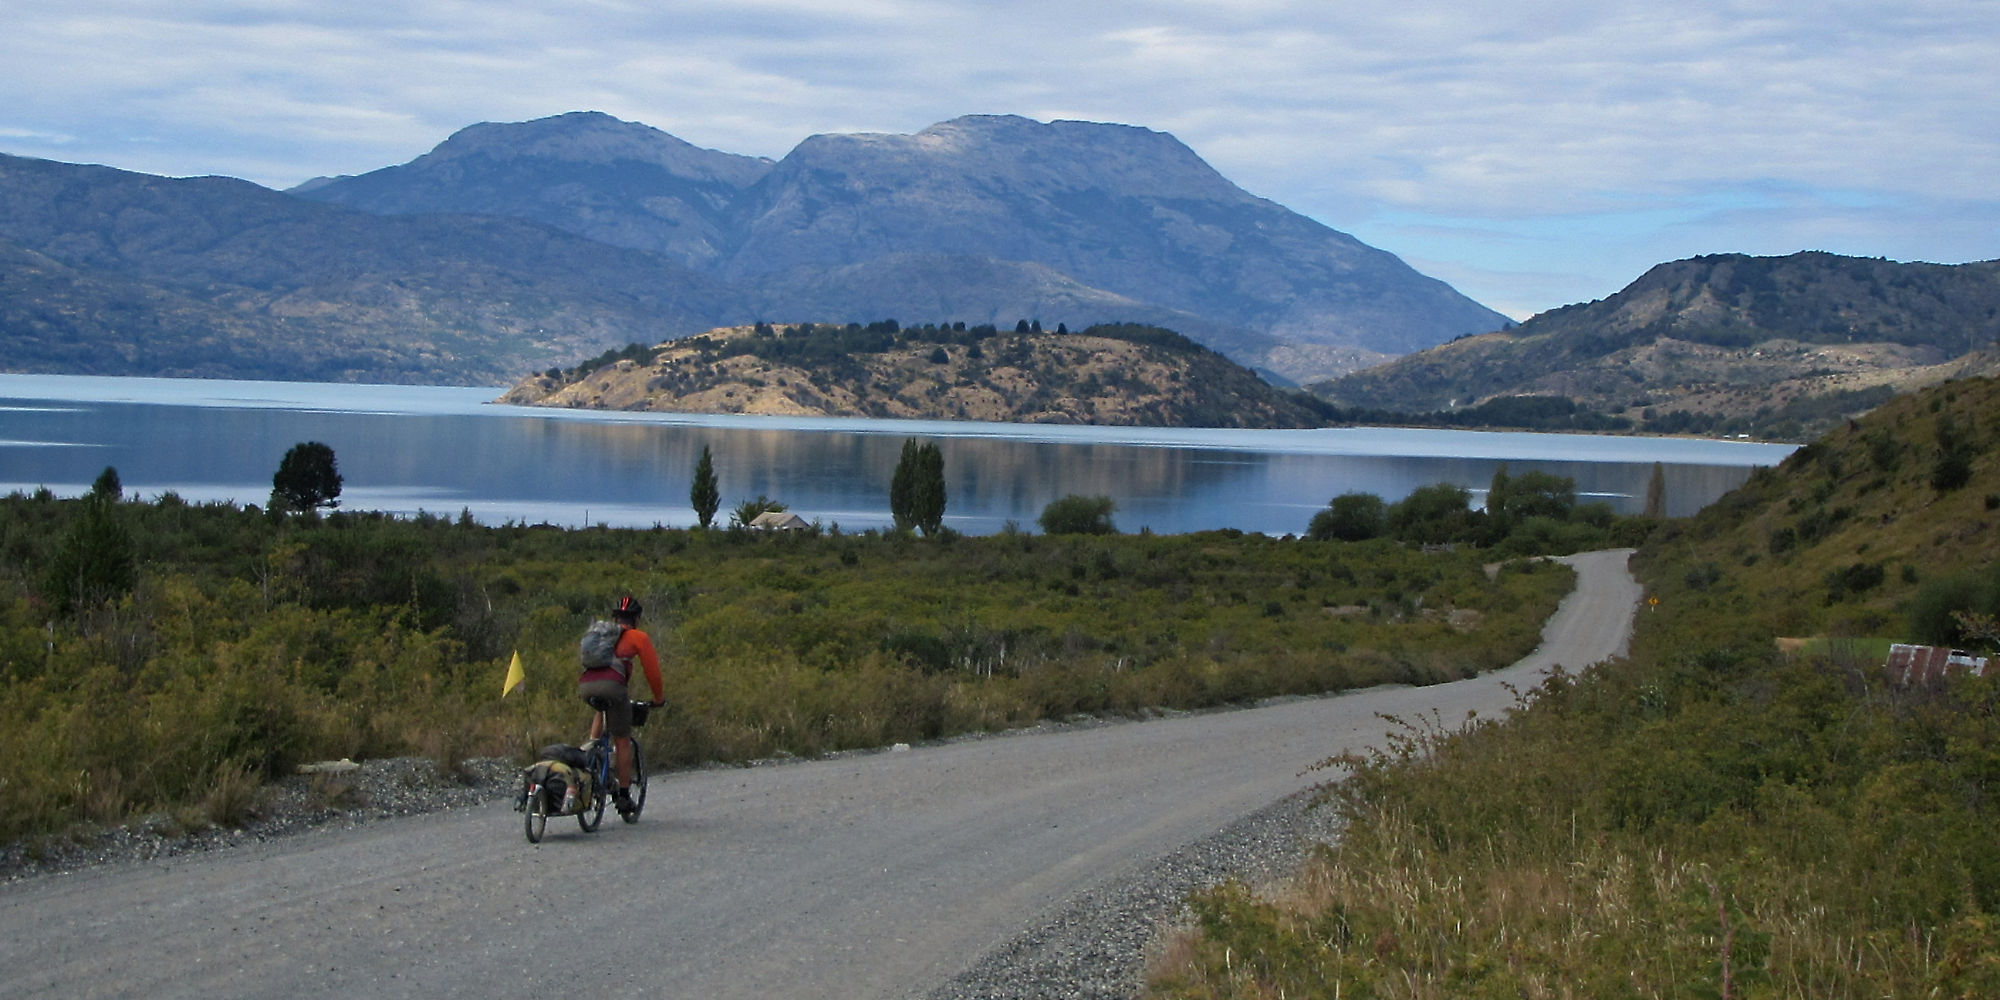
[447, 449]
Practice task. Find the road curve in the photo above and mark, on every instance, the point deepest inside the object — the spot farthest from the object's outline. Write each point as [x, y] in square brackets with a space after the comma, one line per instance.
[877, 875]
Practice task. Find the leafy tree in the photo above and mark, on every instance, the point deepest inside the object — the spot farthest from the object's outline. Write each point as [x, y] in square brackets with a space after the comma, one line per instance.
[1079, 515]
[1350, 517]
[916, 492]
[94, 562]
[1953, 467]
[107, 485]
[1434, 515]
[1933, 613]
[705, 495]
[1531, 494]
[748, 510]
[307, 478]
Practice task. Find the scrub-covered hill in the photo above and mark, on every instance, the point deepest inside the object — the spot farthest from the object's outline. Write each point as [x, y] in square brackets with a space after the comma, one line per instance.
[1749, 806]
[1112, 374]
[1777, 346]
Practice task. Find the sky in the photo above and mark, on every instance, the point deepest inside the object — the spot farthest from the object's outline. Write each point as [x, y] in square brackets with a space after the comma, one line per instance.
[1532, 154]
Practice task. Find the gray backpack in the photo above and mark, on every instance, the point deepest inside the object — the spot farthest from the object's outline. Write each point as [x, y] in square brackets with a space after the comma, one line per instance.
[599, 648]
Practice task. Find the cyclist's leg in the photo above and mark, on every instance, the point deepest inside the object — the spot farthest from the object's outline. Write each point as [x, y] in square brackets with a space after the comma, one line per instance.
[616, 722]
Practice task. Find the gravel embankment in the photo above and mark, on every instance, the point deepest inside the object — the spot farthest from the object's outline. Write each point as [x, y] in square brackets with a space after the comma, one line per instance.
[1097, 947]
[377, 789]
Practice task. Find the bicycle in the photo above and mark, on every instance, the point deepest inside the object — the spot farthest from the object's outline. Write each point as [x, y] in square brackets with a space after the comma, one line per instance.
[594, 759]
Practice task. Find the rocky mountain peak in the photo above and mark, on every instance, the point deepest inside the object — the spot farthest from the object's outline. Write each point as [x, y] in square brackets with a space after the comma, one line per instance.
[973, 151]
[585, 172]
[595, 138]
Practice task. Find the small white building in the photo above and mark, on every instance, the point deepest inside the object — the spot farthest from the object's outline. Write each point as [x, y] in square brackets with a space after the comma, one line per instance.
[779, 520]
[1910, 664]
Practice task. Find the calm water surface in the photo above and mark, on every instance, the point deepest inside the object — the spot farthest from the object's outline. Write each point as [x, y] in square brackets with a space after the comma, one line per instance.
[445, 449]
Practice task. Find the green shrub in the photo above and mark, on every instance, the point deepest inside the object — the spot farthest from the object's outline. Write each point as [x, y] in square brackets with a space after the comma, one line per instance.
[1078, 515]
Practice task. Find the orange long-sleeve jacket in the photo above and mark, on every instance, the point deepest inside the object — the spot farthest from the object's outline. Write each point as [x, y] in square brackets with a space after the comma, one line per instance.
[633, 644]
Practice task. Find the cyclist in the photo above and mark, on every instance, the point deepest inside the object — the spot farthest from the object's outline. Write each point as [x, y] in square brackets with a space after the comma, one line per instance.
[608, 685]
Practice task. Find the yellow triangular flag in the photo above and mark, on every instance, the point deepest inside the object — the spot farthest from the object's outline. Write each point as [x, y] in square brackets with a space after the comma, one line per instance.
[516, 677]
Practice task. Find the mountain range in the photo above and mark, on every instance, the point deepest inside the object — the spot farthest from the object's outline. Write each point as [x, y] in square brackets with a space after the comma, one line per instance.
[513, 246]
[984, 219]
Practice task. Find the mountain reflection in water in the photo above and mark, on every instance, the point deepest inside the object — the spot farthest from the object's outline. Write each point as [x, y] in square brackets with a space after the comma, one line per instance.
[443, 450]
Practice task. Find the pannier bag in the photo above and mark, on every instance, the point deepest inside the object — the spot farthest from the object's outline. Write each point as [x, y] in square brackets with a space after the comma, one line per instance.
[565, 754]
[563, 789]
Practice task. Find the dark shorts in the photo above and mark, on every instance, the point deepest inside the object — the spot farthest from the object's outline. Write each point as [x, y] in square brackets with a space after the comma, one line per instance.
[617, 705]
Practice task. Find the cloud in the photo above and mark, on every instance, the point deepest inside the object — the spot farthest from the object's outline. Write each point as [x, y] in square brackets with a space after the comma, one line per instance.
[1531, 148]
[36, 137]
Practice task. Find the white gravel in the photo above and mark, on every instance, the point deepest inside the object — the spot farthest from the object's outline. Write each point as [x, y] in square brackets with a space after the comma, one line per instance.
[1095, 947]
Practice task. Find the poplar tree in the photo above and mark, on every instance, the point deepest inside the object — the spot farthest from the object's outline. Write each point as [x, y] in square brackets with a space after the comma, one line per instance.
[902, 488]
[930, 499]
[1656, 492]
[705, 495]
[916, 491]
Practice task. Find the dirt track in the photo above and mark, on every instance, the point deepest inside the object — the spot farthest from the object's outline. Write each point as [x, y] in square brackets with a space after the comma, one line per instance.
[879, 875]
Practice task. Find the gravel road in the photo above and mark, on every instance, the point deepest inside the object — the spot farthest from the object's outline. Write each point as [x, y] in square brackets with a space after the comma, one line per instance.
[1030, 864]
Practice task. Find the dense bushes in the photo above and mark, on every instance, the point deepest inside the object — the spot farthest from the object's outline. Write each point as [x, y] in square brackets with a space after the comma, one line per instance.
[1079, 515]
[246, 645]
[1535, 513]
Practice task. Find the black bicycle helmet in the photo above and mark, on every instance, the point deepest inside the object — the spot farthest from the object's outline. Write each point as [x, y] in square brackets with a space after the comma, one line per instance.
[626, 608]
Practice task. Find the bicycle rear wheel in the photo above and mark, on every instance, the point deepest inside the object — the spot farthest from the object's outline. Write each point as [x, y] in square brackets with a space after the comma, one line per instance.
[536, 811]
[638, 789]
[601, 782]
